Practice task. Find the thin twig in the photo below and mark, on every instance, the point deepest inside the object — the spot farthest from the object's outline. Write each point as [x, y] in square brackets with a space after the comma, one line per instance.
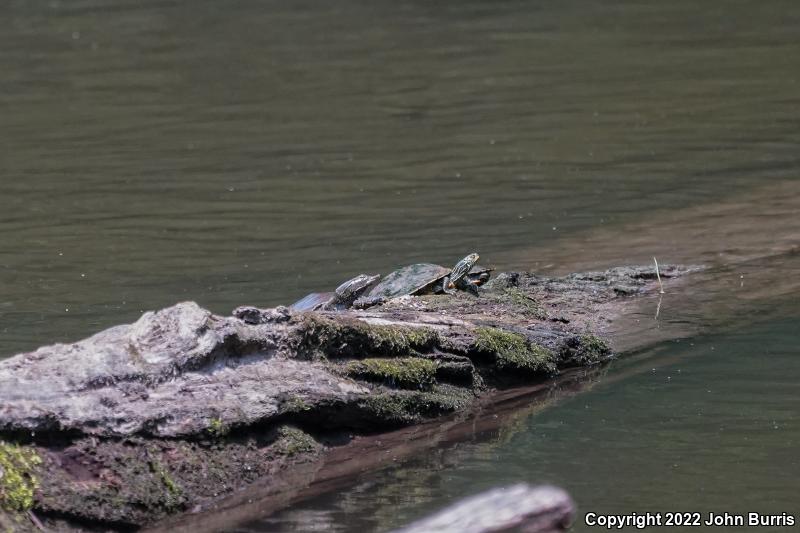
[661, 285]
[658, 307]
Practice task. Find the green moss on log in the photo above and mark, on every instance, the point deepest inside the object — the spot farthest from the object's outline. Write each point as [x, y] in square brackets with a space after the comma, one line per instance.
[512, 352]
[406, 373]
[217, 428]
[593, 350]
[293, 441]
[18, 481]
[396, 408]
[172, 497]
[354, 338]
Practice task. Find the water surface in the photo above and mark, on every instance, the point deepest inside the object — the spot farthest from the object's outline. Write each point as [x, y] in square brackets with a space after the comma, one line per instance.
[163, 150]
[157, 151]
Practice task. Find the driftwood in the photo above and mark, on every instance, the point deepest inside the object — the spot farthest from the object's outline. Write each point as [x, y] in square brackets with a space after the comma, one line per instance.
[170, 413]
[518, 507]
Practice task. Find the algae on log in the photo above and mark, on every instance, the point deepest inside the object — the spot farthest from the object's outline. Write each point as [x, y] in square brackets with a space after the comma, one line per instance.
[167, 414]
[18, 476]
[513, 352]
[405, 372]
[19, 472]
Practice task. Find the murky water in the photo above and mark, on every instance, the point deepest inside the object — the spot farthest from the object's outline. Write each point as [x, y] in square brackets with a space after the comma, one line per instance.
[157, 151]
[163, 150]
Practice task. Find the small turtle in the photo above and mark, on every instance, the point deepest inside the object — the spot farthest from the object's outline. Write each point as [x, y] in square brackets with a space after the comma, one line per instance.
[342, 298]
[426, 278]
[459, 272]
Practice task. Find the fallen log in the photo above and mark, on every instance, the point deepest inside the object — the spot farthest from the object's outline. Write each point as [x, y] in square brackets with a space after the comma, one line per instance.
[169, 414]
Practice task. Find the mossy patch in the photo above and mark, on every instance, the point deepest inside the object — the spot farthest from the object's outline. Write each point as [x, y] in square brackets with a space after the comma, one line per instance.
[174, 492]
[395, 408]
[293, 441]
[131, 482]
[406, 373]
[595, 345]
[583, 350]
[217, 428]
[591, 350]
[18, 481]
[324, 337]
[512, 351]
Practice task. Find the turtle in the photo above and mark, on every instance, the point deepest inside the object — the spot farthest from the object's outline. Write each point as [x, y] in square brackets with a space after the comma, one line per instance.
[426, 278]
[342, 298]
[456, 276]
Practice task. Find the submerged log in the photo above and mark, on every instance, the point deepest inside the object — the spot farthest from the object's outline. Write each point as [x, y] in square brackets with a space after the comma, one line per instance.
[518, 508]
[165, 415]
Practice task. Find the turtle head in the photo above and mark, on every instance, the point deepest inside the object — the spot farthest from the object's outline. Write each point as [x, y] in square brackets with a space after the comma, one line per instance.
[352, 288]
[462, 268]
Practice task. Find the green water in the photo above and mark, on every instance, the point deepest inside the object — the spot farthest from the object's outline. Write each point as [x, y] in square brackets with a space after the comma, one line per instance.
[248, 153]
[157, 151]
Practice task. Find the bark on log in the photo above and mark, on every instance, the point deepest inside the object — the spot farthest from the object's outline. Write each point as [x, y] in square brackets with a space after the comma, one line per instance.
[165, 415]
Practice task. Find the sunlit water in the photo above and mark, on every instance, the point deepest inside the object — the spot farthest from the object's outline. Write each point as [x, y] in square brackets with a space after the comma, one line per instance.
[157, 151]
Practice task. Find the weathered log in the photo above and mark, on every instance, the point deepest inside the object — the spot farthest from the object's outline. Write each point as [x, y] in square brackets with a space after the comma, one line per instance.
[518, 507]
[168, 414]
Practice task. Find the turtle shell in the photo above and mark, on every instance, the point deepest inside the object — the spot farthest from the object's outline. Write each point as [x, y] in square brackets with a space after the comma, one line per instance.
[313, 301]
[479, 272]
[411, 279]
